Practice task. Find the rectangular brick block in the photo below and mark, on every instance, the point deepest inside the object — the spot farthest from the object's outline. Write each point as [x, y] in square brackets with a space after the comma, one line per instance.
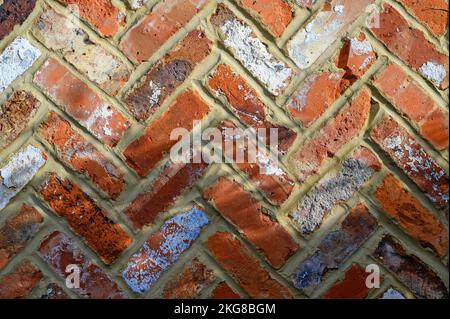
[15, 115]
[336, 248]
[412, 101]
[17, 231]
[327, 27]
[331, 138]
[59, 252]
[164, 191]
[163, 249]
[275, 15]
[244, 212]
[411, 46]
[265, 173]
[102, 14]
[239, 38]
[244, 268]
[416, 275]
[61, 35]
[410, 156]
[353, 286]
[19, 283]
[15, 60]
[415, 219]
[246, 104]
[334, 189]
[167, 74]
[149, 34]
[81, 102]
[12, 13]
[224, 291]
[76, 152]
[190, 283]
[85, 217]
[144, 153]
[19, 171]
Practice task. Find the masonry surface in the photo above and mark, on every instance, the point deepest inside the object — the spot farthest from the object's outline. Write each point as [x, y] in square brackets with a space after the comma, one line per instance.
[91, 90]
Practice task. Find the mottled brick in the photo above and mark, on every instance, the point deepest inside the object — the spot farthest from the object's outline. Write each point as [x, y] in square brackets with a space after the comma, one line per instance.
[410, 156]
[61, 35]
[81, 102]
[411, 100]
[102, 14]
[15, 115]
[189, 284]
[152, 31]
[167, 74]
[334, 189]
[146, 151]
[85, 217]
[353, 286]
[54, 292]
[163, 249]
[18, 171]
[244, 268]
[20, 282]
[415, 219]
[253, 220]
[336, 248]
[275, 15]
[17, 231]
[239, 38]
[411, 46]
[81, 156]
[59, 252]
[417, 276]
[12, 13]
[246, 104]
[331, 138]
[223, 291]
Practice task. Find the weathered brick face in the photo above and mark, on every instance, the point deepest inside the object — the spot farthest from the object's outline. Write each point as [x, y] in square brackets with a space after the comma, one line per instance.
[92, 91]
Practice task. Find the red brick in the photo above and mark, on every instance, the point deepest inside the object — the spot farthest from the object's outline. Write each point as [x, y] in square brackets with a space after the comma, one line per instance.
[167, 17]
[410, 45]
[244, 268]
[102, 14]
[266, 175]
[314, 96]
[252, 220]
[20, 282]
[168, 74]
[59, 252]
[353, 286]
[433, 13]
[87, 219]
[224, 292]
[412, 101]
[330, 139]
[81, 102]
[189, 284]
[164, 191]
[410, 270]
[276, 15]
[410, 156]
[12, 13]
[246, 104]
[415, 219]
[54, 292]
[81, 156]
[17, 231]
[145, 152]
[15, 115]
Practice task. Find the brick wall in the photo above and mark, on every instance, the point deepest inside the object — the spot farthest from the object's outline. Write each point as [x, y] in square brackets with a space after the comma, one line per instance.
[357, 89]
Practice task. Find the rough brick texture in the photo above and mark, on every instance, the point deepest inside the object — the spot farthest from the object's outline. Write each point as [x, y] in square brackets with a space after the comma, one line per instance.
[92, 91]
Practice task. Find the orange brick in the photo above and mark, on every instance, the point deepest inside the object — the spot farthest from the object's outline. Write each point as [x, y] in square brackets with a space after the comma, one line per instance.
[224, 291]
[353, 286]
[19, 283]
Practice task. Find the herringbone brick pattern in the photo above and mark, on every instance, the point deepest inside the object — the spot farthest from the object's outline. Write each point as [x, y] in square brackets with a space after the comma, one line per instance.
[91, 90]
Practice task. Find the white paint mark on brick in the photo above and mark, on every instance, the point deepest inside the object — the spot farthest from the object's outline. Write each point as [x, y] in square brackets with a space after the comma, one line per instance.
[18, 172]
[17, 58]
[434, 72]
